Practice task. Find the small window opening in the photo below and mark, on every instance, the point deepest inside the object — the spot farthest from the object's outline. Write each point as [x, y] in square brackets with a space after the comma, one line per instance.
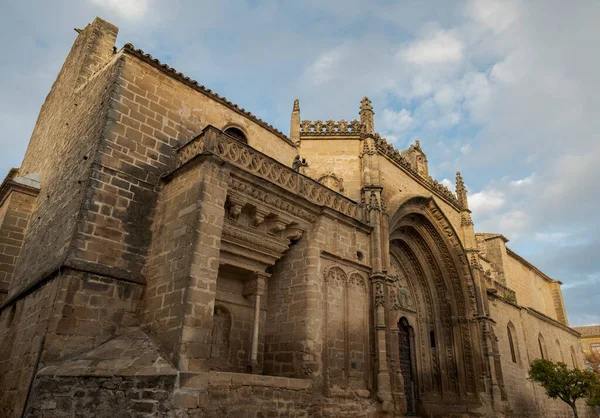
[511, 344]
[237, 134]
[432, 339]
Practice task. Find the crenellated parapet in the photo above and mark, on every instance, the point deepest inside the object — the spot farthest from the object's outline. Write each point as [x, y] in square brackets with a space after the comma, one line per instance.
[330, 127]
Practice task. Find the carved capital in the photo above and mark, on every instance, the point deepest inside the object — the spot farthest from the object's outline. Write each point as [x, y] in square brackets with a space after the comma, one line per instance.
[256, 285]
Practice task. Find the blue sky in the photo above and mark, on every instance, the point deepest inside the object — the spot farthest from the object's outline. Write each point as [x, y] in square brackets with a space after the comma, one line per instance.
[507, 92]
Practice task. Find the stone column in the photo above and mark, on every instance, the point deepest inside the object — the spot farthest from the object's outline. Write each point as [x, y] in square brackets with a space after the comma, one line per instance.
[256, 288]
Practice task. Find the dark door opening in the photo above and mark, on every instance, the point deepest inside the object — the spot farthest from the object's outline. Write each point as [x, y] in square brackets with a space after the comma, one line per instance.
[406, 367]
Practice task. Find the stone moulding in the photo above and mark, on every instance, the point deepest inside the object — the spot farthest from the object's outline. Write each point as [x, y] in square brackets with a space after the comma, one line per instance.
[242, 155]
[330, 127]
[388, 150]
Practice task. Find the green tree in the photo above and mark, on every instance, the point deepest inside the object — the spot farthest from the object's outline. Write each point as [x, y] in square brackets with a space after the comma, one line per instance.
[569, 385]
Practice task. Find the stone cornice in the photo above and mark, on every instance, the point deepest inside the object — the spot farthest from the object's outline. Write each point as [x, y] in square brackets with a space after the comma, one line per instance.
[549, 320]
[171, 72]
[538, 315]
[9, 185]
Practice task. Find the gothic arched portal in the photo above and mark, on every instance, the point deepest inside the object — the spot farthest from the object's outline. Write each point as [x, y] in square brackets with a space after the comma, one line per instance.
[429, 270]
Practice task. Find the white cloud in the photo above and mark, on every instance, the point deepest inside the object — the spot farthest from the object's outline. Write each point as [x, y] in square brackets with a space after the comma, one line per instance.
[496, 15]
[513, 224]
[325, 66]
[488, 200]
[449, 184]
[523, 182]
[395, 121]
[550, 236]
[128, 9]
[440, 47]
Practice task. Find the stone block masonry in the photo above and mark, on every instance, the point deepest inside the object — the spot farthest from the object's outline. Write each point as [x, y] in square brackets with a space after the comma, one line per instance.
[160, 256]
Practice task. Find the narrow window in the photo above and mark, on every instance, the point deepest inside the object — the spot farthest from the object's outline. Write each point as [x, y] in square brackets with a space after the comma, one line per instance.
[511, 345]
[542, 346]
[574, 358]
[432, 338]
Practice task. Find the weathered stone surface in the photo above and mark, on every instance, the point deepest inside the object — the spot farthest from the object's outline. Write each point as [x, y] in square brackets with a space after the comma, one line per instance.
[176, 263]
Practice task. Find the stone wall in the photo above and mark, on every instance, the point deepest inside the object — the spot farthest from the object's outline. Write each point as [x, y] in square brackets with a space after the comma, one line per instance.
[218, 394]
[183, 264]
[171, 112]
[74, 311]
[67, 133]
[89, 310]
[532, 289]
[337, 156]
[15, 213]
[23, 324]
[397, 186]
[525, 398]
[310, 320]
[100, 396]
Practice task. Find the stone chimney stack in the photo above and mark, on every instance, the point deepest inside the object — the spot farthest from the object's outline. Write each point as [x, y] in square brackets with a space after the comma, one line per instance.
[366, 116]
[295, 122]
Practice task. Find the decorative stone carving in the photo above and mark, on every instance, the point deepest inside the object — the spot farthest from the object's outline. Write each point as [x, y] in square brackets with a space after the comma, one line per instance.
[330, 127]
[384, 148]
[221, 327]
[332, 181]
[379, 296]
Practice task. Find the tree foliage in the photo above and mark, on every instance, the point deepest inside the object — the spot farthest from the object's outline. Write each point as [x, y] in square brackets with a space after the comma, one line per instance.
[569, 385]
[592, 359]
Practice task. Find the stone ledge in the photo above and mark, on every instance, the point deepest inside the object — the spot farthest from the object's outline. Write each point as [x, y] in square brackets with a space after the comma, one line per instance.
[202, 381]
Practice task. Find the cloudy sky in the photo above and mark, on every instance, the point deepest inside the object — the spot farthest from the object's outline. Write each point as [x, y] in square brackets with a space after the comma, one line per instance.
[507, 92]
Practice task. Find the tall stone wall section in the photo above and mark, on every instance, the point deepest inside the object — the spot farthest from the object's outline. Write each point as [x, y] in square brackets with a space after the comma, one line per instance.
[527, 399]
[67, 133]
[183, 265]
[532, 289]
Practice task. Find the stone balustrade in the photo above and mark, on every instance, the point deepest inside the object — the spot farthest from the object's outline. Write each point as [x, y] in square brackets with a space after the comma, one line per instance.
[261, 165]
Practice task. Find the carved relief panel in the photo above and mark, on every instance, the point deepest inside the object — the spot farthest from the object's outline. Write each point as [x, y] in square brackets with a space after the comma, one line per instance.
[345, 326]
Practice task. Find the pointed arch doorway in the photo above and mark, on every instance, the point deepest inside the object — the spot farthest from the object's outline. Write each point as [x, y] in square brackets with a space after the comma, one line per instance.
[407, 366]
[432, 303]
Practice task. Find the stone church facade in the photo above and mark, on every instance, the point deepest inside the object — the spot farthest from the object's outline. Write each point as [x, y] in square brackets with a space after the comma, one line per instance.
[164, 252]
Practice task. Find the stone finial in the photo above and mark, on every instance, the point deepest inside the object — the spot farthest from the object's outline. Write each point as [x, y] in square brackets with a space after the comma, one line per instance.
[461, 192]
[295, 122]
[366, 116]
[365, 104]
